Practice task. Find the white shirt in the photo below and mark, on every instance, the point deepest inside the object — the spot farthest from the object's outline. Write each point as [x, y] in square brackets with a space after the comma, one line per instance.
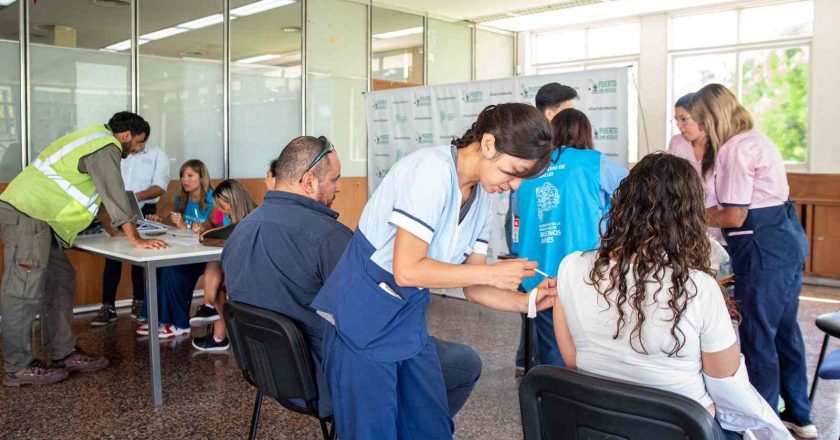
[421, 195]
[705, 324]
[149, 167]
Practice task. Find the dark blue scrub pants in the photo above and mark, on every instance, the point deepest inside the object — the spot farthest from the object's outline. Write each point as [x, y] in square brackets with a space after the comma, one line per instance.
[767, 256]
[386, 400]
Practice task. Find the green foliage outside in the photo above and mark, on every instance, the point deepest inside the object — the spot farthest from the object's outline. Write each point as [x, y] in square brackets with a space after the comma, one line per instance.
[774, 86]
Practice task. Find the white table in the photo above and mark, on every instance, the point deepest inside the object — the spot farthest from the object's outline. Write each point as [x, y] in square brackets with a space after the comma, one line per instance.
[180, 252]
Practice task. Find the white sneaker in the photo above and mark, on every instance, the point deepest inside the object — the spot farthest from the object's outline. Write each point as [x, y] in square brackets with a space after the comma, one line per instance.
[805, 430]
[169, 331]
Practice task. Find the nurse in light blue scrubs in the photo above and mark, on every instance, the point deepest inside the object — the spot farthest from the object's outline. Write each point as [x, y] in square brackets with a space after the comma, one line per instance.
[426, 226]
[560, 211]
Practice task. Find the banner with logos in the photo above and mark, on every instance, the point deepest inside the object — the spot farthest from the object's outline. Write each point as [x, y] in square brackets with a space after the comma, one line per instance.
[400, 121]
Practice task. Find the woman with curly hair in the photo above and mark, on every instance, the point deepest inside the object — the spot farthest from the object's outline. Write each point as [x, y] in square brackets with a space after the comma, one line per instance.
[645, 307]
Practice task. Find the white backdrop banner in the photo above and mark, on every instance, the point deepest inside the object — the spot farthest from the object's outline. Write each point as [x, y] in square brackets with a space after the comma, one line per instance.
[400, 121]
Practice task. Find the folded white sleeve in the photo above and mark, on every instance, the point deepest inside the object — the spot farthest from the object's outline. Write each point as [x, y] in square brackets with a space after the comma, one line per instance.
[739, 407]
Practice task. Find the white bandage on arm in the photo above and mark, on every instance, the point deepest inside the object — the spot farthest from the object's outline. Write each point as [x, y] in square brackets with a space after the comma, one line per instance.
[532, 302]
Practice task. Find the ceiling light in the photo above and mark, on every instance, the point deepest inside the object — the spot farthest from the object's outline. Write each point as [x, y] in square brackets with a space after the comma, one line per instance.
[399, 33]
[210, 20]
[259, 58]
[124, 45]
[163, 33]
[260, 6]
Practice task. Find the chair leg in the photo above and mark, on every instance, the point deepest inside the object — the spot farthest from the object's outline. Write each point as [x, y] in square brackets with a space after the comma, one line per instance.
[328, 433]
[255, 418]
[527, 338]
[817, 370]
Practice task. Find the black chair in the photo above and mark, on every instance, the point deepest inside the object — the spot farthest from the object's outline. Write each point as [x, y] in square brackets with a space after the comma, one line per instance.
[558, 403]
[274, 357]
[829, 323]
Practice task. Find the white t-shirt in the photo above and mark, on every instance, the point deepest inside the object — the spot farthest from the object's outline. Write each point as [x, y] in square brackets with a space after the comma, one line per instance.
[706, 326]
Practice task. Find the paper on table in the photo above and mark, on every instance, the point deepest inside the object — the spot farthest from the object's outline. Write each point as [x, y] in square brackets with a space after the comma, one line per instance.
[181, 240]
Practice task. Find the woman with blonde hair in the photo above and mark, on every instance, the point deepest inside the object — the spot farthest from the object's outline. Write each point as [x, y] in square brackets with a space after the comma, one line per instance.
[233, 203]
[767, 246]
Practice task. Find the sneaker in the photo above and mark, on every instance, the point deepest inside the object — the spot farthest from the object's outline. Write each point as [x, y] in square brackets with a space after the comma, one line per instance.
[208, 343]
[519, 371]
[142, 330]
[106, 315]
[204, 315]
[169, 331]
[36, 373]
[80, 361]
[802, 429]
[136, 307]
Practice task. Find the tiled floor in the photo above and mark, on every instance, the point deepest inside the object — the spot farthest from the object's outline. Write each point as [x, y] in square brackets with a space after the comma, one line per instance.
[206, 397]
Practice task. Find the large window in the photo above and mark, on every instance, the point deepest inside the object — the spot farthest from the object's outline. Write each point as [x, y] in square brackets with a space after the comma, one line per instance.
[761, 54]
[586, 44]
[591, 48]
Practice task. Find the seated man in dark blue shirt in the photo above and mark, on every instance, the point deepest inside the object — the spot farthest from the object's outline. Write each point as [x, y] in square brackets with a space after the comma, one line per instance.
[282, 253]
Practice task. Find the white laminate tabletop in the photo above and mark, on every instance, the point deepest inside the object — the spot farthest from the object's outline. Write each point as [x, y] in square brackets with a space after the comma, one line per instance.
[182, 245]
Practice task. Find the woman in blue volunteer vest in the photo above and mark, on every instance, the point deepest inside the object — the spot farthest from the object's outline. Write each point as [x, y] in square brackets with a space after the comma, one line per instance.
[559, 211]
[768, 248]
[426, 226]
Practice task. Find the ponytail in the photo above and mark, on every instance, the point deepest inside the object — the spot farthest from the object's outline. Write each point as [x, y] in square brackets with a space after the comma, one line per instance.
[520, 130]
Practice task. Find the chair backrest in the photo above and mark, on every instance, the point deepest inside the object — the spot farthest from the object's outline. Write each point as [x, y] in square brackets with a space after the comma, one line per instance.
[558, 403]
[273, 354]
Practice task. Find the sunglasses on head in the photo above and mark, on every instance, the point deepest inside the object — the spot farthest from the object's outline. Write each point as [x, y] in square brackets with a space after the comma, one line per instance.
[327, 149]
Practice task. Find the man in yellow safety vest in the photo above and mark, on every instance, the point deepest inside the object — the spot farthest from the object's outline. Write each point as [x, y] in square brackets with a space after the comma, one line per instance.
[41, 212]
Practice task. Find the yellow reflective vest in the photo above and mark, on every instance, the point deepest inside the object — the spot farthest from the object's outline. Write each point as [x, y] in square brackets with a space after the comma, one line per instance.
[52, 188]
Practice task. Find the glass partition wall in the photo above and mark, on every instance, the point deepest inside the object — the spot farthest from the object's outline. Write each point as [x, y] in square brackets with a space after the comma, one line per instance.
[229, 82]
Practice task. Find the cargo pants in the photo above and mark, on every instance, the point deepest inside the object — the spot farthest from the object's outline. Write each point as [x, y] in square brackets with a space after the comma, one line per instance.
[37, 278]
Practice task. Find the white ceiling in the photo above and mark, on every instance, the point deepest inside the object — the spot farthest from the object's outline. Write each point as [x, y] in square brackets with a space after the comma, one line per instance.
[97, 26]
[468, 9]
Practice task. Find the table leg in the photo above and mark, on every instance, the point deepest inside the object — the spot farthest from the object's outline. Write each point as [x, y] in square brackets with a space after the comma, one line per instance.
[154, 344]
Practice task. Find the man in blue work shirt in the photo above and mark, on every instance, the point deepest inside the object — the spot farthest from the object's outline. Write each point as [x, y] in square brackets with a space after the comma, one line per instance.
[282, 253]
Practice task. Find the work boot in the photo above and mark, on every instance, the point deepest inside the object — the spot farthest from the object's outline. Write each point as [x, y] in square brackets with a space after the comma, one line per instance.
[36, 373]
[80, 361]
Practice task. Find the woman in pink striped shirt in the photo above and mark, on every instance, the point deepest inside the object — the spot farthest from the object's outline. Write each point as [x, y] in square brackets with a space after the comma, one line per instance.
[693, 145]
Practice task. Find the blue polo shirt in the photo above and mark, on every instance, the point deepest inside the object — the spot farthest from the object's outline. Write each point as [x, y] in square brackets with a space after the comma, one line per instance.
[280, 255]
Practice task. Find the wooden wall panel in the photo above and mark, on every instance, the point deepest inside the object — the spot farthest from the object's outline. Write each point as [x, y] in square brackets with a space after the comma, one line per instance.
[825, 259]
[818, 196]
[819, 189]
[383, 84]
